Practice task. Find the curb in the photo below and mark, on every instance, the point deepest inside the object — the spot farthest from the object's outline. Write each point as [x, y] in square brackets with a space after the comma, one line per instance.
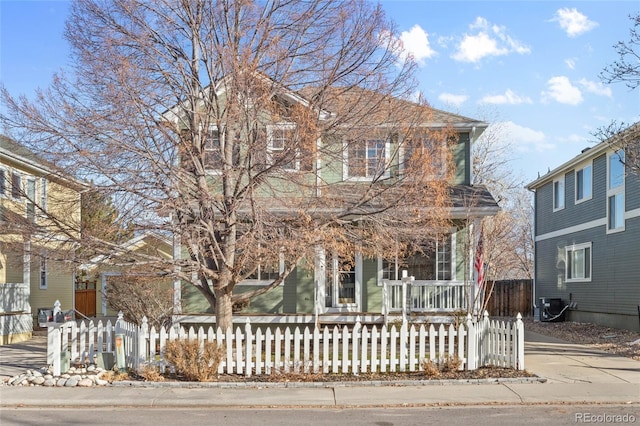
[314, 385]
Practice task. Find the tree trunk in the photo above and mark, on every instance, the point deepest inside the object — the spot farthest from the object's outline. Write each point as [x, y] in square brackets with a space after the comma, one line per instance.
[224, 315]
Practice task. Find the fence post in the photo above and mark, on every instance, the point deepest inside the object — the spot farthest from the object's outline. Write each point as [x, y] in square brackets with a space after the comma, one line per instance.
[520, 342]
[248, 342]
[53, 349]
[142, 335]
[472, 347]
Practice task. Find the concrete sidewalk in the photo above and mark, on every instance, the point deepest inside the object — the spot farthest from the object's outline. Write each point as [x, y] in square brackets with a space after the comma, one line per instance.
[576, 375]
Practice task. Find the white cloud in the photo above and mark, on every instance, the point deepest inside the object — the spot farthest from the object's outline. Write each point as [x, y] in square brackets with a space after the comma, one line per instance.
[487, 40]
[453, 99]
[525, 139]
[573, 22]
[509, 97]
[561, 90]
[573, 138]
[416, 43]
[595, 87]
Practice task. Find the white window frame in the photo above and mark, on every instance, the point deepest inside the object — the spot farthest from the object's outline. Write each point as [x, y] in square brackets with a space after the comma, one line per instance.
[209, 168]
[583, 169]
[559, 184]
[43, 275]
[587, 261]
[264, 282]
[367, 177]
[44, 194]
[271, 129]
[321, 276]
[398, 270]
[616, 192]
[442, 153]
[30, 198]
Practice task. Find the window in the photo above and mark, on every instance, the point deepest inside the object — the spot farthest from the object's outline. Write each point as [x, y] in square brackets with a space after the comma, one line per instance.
[584, 179]
[16, 185]
[3, 182]
[425, 150]
[43, 194]
[366, 159]
[212, 149]
[31, 197]
[43, 272]
[434, 262]
[578, 262]
[558, 194]
[281, 146]
[266, 272]
[340, 282]
[615, 192]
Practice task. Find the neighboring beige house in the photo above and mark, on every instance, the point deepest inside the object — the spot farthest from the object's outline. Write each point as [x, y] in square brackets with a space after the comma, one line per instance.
[126, 265]
[33, 273]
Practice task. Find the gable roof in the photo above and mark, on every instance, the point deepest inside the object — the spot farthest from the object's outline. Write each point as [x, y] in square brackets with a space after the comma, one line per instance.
[624, 136]
[14, 152]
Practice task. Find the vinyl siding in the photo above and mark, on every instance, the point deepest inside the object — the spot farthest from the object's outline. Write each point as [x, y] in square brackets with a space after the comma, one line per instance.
[615, 281]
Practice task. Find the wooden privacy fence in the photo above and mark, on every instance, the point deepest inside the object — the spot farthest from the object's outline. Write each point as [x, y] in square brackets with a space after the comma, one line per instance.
[355, 349]
[509, 297]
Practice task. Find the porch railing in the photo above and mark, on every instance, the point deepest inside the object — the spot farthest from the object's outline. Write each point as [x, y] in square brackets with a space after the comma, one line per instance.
[424, 296]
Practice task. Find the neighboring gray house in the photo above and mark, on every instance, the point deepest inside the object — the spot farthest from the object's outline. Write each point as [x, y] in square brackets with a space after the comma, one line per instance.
[587, 235]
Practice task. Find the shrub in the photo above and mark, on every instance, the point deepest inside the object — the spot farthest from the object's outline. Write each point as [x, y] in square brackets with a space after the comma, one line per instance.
[195, 361]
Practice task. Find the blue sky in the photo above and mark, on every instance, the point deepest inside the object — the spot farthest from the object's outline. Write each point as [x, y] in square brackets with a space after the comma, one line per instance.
[530, 65]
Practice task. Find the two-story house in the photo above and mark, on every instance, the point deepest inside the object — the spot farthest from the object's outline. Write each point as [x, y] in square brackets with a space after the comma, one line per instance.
[587, 236]
[33, 273]
[335, 289]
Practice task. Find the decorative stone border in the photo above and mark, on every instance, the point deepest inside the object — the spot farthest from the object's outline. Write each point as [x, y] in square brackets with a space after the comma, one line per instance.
[81, 377]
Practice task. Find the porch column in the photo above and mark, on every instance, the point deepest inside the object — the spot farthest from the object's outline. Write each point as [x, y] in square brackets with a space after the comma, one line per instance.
[319, 275]
[177, 283]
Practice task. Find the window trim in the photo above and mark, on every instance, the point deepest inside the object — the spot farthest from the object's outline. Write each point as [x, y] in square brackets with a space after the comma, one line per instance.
[561, 184]
[30, 198]
[43, 275]
[568, 262]
[271, 150]
[441, 152]
[387, 149]
[260, 282]
[582, 169]
[453, 262]
[614, 192]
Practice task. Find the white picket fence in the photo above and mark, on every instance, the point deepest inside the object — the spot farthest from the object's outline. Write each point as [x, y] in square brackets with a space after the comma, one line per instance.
[346, 349]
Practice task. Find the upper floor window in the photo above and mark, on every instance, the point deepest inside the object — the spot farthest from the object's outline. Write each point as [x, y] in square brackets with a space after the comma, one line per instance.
[285, 149]
[43, 194]
[212, 148]
[616, 170]
[578, 262]
[558, 194]
[584, 179]
[31, 199]
[366, 158]
[3, 182]
[16, 185]
[424, 155]
[615, 192]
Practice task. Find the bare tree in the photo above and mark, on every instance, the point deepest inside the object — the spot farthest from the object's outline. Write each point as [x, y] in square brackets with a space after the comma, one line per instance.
[508, 236]
[627, 68]
[226, 124]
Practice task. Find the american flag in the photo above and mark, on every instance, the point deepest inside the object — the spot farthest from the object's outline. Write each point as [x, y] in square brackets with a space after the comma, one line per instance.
[478, 262]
